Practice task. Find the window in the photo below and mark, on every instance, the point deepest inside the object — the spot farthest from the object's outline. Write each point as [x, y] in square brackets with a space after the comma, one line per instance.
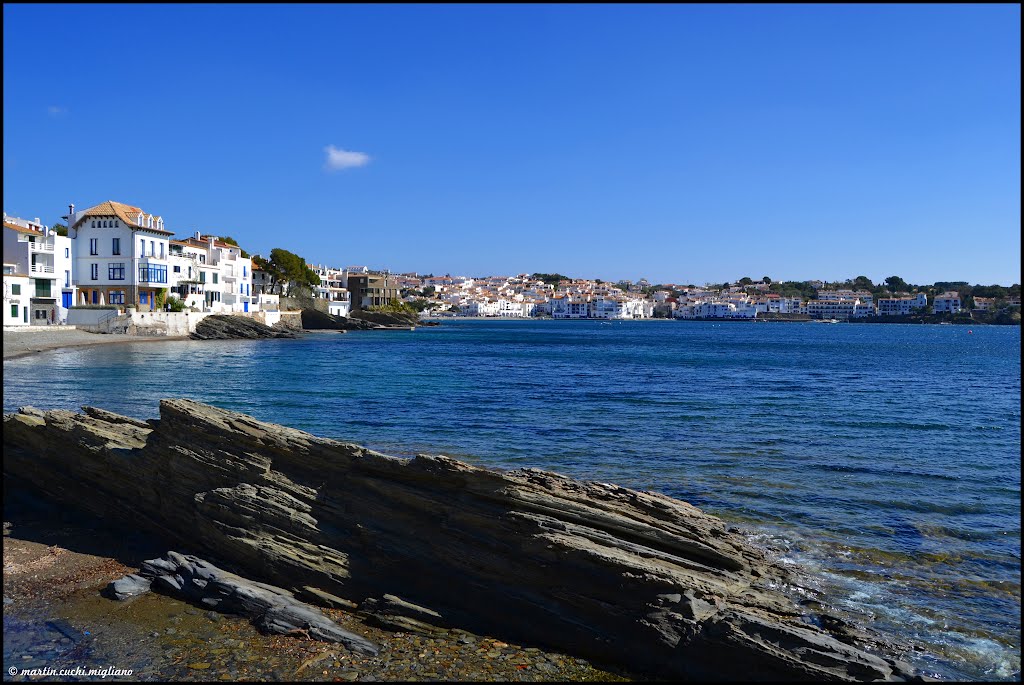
[117, 223]
[115, 271]
[152, 249]
[67, 279]
[95, 271]
[202, 277]
[94, 224]
[116, 246]
[153, 273]
[177, 269]
[215, 276]
[16, 289]
[243, 271]
[67, 253]
[115, 297]
[161, 250]
[94, 246]
[142, 248]
[14, 311]
[43, 288]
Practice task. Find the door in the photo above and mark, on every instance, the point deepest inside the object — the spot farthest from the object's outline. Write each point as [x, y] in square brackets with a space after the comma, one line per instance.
[66, 303]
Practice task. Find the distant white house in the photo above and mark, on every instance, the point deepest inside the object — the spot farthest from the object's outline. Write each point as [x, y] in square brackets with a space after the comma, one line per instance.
[948, 303]
[901, 306]
[17, 287]
[37, 252]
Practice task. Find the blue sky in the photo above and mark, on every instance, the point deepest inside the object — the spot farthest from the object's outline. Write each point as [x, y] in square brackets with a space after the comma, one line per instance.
[681, 143]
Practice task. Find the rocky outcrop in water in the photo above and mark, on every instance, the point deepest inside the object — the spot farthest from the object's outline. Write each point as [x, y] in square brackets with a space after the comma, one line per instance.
[227, 327]
[631, 578]
[315, 320]
[272, 609]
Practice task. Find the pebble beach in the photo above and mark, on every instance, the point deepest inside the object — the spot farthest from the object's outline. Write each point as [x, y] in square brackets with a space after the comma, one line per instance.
[18, 343]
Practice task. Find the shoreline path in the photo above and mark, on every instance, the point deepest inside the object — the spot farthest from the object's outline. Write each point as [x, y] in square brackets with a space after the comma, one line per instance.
[19, 343]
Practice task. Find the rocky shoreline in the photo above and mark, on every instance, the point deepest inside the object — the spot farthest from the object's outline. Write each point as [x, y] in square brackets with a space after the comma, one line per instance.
[635, 579]
[57, 561]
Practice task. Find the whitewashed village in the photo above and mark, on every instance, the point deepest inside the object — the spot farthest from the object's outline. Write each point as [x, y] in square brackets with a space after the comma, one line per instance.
[118, 260]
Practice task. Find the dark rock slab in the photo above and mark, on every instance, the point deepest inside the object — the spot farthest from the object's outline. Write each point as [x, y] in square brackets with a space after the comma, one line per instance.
[271, 608]
[629, 578]
[229, 327]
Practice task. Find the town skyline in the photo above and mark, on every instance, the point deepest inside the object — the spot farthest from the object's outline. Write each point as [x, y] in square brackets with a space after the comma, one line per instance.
[689, 142]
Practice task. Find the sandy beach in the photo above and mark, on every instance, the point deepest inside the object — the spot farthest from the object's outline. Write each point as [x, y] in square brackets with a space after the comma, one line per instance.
[20, 343]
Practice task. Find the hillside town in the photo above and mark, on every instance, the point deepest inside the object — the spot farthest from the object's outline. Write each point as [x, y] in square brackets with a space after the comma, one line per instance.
[117, 257]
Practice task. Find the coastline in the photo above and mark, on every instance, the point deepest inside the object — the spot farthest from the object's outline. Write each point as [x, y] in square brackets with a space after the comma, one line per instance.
[25, 343]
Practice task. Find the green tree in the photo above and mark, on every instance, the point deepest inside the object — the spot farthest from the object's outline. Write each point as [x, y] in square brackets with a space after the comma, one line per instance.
[231, 241]
[897, 284]
[863, 283]
[61, 229]
[291, 268]
[550, 279]
[766, 279]
[746, 280]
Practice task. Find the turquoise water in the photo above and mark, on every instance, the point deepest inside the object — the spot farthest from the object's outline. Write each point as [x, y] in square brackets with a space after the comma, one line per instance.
[885, 458]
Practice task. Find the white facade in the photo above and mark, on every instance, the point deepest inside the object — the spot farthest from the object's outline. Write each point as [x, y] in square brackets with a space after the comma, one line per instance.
[120, 255]
[17, 287]
[212, 276]
[333, 287]
[832, 309]
[45, 258]
[901, 306]
[948, 303]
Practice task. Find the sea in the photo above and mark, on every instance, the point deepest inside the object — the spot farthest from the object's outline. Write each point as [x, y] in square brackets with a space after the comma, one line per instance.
[884, 459]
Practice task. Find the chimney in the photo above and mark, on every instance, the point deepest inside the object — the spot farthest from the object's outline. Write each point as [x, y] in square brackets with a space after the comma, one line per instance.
[199, 236]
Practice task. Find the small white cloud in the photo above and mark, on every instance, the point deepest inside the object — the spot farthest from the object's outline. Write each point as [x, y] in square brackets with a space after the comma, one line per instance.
[56, 110]
[343, 159]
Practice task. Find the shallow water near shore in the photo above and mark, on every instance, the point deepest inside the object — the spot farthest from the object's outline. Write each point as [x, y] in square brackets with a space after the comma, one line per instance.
[885, 459]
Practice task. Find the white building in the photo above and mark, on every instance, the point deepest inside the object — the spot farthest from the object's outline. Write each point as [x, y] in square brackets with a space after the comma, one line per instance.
[948, 302]
[17, 287]
[333, 287]
[901, 306]
[45, 258]
[832, 309]
[120, 255]
[212, 275]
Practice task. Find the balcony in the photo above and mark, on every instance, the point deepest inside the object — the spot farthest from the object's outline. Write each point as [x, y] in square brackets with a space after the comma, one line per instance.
[41, 246]
[41, 269]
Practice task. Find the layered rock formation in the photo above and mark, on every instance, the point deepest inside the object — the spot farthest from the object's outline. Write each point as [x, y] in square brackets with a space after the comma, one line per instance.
[226, 327]
[630, 578]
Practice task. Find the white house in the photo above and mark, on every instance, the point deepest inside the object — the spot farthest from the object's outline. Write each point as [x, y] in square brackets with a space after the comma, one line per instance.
[120, 255]
[832, 309]
[900, 306]
[45, 258]
[17, 287]
[948, 303]
[333, 287]
[212, 275]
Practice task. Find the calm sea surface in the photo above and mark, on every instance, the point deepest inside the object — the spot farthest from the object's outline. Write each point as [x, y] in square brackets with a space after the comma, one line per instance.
[885, 458]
